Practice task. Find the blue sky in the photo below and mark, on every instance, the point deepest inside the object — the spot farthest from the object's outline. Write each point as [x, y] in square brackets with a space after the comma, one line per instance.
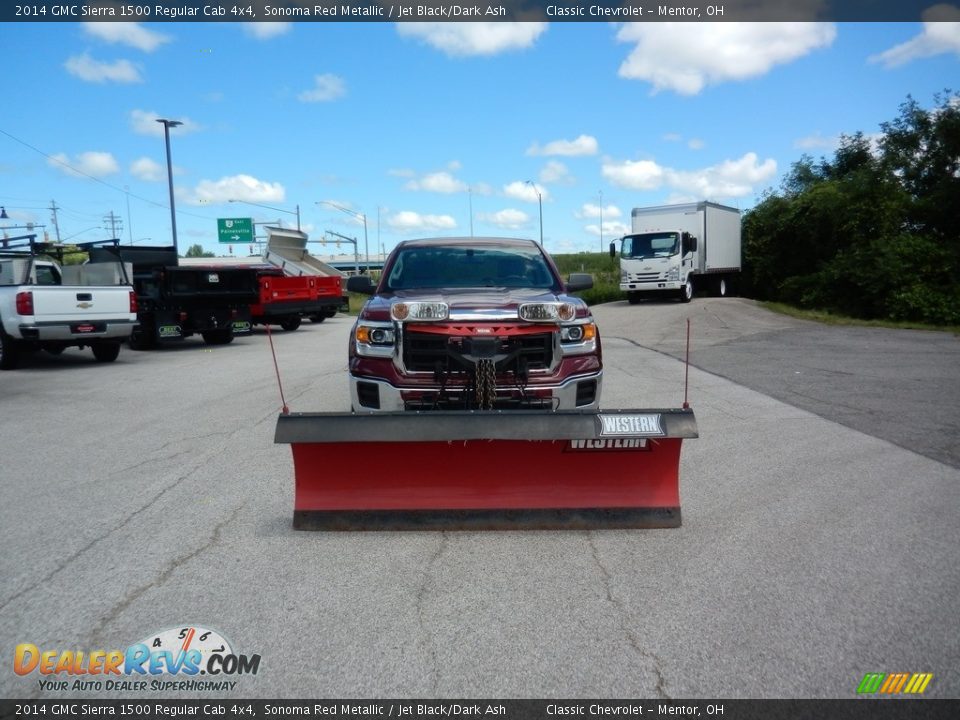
[411, 124]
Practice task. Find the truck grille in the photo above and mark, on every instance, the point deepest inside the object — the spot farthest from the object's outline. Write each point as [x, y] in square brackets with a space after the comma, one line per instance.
[644, 277]
[425, 352]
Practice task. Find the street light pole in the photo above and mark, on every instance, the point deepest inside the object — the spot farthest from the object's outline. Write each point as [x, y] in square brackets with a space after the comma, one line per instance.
[362, 216]
[540, 203]
[167, 124]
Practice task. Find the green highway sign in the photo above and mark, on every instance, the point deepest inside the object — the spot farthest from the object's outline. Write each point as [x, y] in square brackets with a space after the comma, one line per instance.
[235, 230]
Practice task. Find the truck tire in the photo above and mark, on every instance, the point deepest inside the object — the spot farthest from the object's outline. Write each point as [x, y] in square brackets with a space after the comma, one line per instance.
[686, 292]
[290, 324]
[633, 298]
[222, 336]
[106, 352]
[142, 339]
[9, 352]
[318, 318]
[721, 286]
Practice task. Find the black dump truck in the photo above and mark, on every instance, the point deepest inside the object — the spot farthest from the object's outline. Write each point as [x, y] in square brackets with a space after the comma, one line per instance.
[176, 301]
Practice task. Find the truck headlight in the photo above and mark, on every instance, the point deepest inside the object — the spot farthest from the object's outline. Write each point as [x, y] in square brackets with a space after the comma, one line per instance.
[402, 311]
[673, 274]
[578, 333]
[547, 312]
[624, 276]
[375, 335]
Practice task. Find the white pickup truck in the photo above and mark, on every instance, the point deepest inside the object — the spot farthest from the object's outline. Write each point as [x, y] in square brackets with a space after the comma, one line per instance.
[44, 306]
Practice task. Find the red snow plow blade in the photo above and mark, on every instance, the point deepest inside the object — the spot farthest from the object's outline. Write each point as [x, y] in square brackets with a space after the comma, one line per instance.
[486, 470]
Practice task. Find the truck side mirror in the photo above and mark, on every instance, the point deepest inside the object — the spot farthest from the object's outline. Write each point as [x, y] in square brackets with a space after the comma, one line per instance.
[579, 281]
[693, 244]
[361, 284]
[613, 249]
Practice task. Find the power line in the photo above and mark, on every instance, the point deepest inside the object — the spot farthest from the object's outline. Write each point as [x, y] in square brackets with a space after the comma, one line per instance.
[67, 165]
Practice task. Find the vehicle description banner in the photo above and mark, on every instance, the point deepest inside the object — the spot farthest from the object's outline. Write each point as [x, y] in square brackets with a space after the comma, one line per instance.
[484, 11]
[503, 709]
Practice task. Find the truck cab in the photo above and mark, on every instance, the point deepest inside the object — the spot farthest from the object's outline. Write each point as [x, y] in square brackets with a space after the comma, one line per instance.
[473, 324]
[657, 261]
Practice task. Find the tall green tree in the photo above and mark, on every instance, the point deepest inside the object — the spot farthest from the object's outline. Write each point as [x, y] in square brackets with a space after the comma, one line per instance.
[871, 232]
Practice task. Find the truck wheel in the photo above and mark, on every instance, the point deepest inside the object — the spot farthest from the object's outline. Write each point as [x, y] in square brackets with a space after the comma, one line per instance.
[55, 349]
[633, 298]
[223, 336]
[318, 318]
[9, 352]
[686, 292]
[106, 352]
[290, 324]
[142, 339]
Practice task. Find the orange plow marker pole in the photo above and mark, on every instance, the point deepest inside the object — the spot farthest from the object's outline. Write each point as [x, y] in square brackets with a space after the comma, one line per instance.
[486, 470]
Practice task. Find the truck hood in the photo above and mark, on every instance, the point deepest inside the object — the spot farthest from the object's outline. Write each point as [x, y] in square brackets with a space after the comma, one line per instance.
[471, 300]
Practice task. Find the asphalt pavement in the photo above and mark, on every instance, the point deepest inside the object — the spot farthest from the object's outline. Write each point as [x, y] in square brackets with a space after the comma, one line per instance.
[149, 494]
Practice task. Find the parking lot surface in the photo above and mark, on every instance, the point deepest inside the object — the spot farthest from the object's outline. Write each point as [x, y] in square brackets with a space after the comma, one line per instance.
[148, 494]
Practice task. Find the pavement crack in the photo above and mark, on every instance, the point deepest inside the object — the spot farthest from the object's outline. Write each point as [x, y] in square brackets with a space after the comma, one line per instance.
[622, 617]
[65, 562]
[171, 567]
[428, 577]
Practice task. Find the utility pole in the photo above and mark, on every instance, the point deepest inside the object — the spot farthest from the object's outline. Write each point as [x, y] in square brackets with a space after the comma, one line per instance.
[113, 219]
[56, 225]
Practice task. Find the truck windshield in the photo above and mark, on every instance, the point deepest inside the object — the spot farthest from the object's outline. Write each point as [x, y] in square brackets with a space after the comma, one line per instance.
[649, 245]
[467, 267]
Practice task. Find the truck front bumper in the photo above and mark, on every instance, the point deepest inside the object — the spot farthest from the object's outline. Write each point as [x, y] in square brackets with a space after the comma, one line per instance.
[576, 393]
[652, 286]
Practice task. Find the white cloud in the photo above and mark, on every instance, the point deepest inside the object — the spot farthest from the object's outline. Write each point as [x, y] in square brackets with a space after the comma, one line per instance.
[408, 221]
[696, 144]
[326, 87]
[148, 170]
[402, 172]
[266, 30]
[556, 172]
[816, 142]
[729, 179]
[144, 122]
[236, 187]
[439, 182]
[474, 38]
[91, 163]
[126, 33]
[589, 210]
[704, 54]
[90, 70]
[611, 230]
[520, 190]
[634, 174]
[583, 145]
[941, 34]
[508, 219]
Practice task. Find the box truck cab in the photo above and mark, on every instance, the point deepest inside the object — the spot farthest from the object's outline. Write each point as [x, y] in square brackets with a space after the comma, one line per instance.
[675, 249]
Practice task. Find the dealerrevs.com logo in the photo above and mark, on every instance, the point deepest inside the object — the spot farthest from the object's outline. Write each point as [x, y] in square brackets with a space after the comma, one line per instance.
[181, 658]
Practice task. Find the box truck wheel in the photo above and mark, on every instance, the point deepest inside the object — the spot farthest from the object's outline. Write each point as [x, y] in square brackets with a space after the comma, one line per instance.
[633, 298]
[721, 288]
[686, 292]
[290, 324]
[318, 318]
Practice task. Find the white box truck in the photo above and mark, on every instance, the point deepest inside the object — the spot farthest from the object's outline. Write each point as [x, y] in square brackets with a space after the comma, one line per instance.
[674, 249]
